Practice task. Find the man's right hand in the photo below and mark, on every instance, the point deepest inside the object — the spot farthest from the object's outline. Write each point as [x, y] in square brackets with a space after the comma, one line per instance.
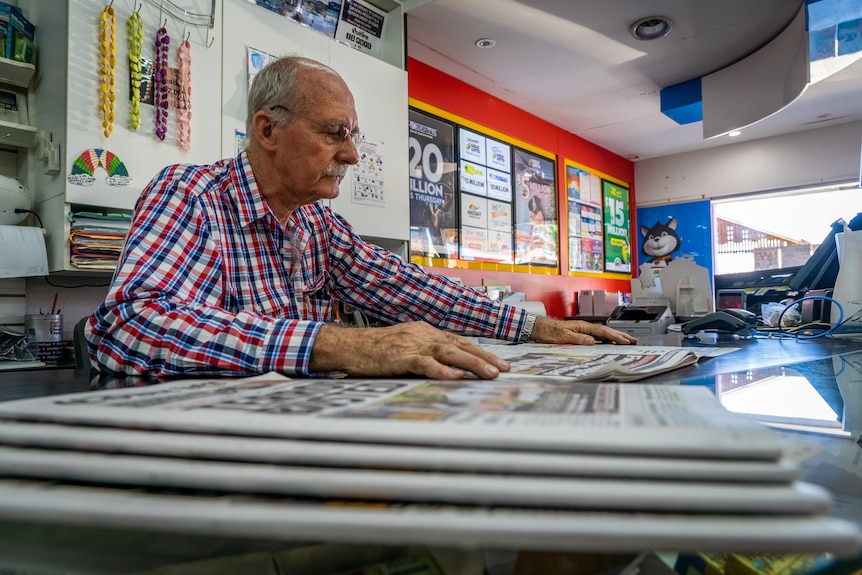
[414, 348]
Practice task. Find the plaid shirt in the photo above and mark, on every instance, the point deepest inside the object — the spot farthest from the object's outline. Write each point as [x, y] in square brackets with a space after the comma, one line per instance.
[210, 283]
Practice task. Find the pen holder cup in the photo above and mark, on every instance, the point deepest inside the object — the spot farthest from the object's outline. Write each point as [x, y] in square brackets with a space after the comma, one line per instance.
[46, 335]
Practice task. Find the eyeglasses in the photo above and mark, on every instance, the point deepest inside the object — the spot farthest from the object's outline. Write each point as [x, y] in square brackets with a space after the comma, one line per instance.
[334, 133]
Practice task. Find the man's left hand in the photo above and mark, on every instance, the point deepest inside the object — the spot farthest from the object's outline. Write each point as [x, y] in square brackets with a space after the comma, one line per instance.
[549, 330]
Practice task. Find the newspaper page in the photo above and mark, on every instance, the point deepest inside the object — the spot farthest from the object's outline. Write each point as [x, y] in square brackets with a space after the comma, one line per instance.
[535, 415]
[592, 363]
[291, 519]
[379, 456]
[424, 487]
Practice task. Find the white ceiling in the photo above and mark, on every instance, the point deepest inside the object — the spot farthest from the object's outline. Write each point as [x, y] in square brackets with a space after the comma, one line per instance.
[575, 64]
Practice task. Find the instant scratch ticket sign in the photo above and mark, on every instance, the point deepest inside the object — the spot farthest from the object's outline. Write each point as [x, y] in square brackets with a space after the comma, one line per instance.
[617, 222]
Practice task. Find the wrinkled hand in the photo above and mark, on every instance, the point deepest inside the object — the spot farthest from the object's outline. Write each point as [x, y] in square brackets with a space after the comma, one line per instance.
[408, 348]
[549, 330]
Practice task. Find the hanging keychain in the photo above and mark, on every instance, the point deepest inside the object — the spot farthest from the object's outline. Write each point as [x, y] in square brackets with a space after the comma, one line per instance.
[109, 62]
[184, 106]
[160, 75]
[136, 42]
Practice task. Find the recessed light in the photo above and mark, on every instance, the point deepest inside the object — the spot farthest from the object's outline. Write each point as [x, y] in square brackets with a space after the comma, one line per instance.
[486, 43]
[651, 27]
[734, 133]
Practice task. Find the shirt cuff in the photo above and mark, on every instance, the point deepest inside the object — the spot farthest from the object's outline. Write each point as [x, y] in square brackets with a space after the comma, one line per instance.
[510, 323]
[289, 348]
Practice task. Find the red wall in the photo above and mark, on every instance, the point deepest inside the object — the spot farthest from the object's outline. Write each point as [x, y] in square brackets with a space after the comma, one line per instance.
[557, 292]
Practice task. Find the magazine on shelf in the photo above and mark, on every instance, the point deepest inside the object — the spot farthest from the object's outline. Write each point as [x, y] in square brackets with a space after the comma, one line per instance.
[462, 488]
[229, 448]
[528, 415]
[604, 362]
[250, 516]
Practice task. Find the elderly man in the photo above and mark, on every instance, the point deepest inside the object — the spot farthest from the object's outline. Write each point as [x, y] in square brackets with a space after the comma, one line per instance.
[232, 268]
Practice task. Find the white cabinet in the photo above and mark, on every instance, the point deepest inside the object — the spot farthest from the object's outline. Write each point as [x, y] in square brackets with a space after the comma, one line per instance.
[16, 132]
[383, 118]
[17, 76]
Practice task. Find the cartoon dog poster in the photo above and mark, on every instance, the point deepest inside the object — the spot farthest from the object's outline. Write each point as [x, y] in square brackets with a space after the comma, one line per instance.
[670, 231]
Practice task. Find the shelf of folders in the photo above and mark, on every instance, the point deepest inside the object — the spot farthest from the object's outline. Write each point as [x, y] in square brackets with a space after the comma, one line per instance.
[96, 238]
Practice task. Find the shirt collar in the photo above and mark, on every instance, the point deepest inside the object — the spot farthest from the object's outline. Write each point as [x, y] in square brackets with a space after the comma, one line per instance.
[251, 205]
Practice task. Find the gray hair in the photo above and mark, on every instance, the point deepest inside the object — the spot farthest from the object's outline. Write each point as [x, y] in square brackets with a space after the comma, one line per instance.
[275, 84]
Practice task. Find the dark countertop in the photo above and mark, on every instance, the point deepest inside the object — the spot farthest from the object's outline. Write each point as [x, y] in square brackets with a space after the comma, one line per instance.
[832, 367]
[41, 382]
[754, 353]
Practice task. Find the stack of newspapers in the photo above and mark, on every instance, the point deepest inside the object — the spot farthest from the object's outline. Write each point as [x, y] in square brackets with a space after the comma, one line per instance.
[527, 461]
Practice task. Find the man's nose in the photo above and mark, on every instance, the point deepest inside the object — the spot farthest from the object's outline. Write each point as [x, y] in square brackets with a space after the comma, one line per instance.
[348, 153]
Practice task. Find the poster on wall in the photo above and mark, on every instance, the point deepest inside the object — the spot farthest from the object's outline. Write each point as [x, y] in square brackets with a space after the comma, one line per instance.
[670, 231]
[474, 227]
[257, 60]
[367, 175]
[433, 204]
[320, 17]
[585, 220]
[485, 183]
[617, 220]
[500, 231]
[536, 231]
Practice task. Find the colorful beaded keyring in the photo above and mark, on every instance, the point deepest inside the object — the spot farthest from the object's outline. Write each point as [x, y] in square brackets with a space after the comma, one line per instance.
[160, 76]
[136, 42]
[109, 62]
[184, 106]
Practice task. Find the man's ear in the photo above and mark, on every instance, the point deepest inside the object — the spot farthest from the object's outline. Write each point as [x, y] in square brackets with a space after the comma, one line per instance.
[264, 132]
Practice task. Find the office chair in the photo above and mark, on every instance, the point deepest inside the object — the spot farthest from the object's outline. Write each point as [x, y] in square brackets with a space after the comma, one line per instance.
[82, 356]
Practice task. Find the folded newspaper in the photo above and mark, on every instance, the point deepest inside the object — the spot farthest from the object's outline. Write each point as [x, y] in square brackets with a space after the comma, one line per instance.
[442, 487]
[532, 414]
[252, 517]
[597, 363]
[339, 454]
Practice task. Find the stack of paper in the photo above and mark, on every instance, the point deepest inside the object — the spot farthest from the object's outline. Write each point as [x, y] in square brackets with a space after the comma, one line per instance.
[96, 239]
[522, 464]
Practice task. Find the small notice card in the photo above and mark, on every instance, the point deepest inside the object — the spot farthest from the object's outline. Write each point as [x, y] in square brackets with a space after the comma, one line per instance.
[360, 26]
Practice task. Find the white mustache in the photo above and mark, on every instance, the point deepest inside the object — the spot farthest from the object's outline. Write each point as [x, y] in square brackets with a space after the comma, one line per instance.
[336, 170]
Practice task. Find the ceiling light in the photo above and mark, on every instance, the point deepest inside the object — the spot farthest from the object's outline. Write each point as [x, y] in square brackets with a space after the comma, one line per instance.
[651, 27]
[486, 43]
[734, 133]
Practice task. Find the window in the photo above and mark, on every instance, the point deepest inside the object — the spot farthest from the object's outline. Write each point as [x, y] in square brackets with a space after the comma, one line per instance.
[778, 229]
